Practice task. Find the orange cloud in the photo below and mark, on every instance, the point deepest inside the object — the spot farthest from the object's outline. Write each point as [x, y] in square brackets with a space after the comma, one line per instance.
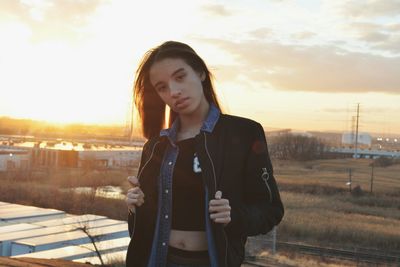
[323, 68]
[50, 19]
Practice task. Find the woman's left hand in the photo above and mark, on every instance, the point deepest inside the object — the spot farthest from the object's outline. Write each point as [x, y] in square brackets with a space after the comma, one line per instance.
[220, 209]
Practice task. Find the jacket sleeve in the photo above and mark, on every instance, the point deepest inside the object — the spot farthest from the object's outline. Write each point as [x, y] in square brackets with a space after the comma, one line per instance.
[131, 215]
[262, 207]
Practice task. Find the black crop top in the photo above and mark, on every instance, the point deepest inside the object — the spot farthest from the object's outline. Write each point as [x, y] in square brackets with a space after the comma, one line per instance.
[188, 205]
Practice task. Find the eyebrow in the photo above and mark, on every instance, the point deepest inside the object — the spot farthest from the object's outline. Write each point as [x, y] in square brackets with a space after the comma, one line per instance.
[175, 72]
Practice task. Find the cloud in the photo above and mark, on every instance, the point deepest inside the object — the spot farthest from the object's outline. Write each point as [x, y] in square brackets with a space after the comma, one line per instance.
[365, 27]
[393, 27]
[375, 37]
[50, 19]
[303, 35]
[371, 8]
[372, 32]
[216, 10]
[378, 36]
[324, 68]
[12, 9]
[261, 33]
[335, 110]
[379, 110]
[392, 45]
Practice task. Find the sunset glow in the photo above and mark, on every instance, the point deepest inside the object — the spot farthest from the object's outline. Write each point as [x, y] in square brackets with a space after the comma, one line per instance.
[288, 64]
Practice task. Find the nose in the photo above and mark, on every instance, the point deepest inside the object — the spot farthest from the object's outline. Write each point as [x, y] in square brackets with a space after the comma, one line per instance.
[175, 89]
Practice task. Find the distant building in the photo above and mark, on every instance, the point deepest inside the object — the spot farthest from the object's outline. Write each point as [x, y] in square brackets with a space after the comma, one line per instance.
[301, 133]
[67, 154]
[328, 138]
[108, 158]
[288, 131]
[277, 132]
[12, 159]
[349, 138]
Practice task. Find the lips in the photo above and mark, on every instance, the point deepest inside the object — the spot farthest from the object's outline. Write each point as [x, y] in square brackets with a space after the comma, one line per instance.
[180, 102]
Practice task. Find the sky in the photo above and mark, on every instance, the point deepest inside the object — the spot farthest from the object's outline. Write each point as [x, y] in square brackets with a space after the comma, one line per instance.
[303, 65]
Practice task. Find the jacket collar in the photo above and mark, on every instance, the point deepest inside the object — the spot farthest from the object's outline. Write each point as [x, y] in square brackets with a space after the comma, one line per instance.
[208, 124]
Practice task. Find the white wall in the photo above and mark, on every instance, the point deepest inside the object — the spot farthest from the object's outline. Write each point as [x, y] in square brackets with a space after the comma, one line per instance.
[363, 138]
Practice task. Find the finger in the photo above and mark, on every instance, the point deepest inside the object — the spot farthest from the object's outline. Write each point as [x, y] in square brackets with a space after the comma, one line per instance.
[214, 209]
[218, 202]
[138, 191]
[220, 215]
[134, 195]
[132, 189]
[133, 180]
[140, 202]
[134, 201]
[135, 190]
[218, 195]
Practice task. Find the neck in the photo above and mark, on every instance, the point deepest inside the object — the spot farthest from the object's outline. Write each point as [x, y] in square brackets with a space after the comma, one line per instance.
[193, 122]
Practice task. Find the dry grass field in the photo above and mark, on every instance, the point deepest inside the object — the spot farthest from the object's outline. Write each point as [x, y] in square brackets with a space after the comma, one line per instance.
[320, 210]
[334, 172]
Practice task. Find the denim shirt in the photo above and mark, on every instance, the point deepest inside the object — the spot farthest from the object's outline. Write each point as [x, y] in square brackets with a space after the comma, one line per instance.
[159, 250]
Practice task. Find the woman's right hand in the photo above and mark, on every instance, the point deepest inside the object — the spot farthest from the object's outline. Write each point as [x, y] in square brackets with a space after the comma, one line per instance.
[134, 196]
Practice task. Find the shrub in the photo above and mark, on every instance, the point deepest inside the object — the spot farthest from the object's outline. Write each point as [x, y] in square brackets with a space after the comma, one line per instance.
[384, 162]
[357, 191]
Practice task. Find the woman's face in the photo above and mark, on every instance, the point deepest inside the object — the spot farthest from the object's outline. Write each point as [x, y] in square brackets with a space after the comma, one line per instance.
[178, 85]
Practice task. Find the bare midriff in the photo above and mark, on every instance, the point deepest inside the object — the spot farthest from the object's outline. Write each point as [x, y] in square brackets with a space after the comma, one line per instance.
[188, 240]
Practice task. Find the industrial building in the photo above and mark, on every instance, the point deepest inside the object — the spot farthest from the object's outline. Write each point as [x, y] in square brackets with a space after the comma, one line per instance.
[364, 139]
[23, 155]
[14, 159]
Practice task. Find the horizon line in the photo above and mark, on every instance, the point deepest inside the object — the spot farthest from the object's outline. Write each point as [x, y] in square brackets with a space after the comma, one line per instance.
[122, 125]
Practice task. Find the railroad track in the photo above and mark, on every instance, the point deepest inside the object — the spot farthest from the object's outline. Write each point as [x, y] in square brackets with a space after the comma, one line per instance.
[357, 255]
[251, 261]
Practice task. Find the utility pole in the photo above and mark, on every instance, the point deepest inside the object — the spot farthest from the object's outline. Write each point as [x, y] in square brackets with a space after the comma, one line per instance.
[372, 176]
[349, 182]
[356, 146]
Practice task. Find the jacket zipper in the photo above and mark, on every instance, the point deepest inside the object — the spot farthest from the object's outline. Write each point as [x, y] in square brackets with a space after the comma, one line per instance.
[265, 177]
[141, 171]
[215, 187]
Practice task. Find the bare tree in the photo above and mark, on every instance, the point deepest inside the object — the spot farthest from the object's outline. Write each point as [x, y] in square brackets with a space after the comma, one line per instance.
[296, 147]
[85, 228]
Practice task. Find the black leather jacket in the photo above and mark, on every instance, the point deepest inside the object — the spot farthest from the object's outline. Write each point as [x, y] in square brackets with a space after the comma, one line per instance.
[234, 159]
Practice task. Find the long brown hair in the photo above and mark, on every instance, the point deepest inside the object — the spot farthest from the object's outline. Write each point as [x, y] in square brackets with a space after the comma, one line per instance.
[150, 106]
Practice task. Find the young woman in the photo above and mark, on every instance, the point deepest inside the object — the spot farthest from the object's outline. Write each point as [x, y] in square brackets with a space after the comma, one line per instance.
[204, 184]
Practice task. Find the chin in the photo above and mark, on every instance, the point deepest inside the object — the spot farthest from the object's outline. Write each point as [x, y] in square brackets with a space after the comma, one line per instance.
[187, 111]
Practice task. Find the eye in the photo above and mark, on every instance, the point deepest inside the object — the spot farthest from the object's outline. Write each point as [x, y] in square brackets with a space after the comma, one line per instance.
[180, 77]
[161, 88]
